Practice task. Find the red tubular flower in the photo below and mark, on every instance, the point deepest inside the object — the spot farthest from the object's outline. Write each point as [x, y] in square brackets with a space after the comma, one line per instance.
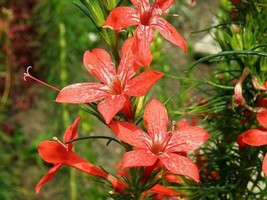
[257, 137]
[115, 87]
[146, 18]
[61, 154]
[161, 192]
[159, 145]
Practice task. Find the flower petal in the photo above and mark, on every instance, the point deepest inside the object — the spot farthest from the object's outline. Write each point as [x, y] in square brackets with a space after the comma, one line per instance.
[141, 5]
[122, 17]
[52, 152]
[169, 32]
[140, 85]
[255, 137]
[164, 4]
[82, 93]
[264, 165]
[138, 158]
[187, 138]
[262, 118]
[50, 174]
[87, 167]
[110, 106]
[144, 36]
[156, 119]
[71, 133]
[130, 133]
[240, 141]
[160, 189]
[99, 64]
[180, 165]
[128, 67]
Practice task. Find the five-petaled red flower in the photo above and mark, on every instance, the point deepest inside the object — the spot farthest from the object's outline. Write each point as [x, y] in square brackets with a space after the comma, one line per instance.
[61, 154]
[146, 18]
[159, 145]
[115, 87]
[256, 137]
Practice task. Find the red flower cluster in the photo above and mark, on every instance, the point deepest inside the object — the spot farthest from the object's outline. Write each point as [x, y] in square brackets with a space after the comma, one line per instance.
[115, 87]
[145, 18]
[159, 148]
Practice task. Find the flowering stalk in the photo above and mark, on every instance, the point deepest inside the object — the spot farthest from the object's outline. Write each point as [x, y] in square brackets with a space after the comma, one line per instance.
[151, 152]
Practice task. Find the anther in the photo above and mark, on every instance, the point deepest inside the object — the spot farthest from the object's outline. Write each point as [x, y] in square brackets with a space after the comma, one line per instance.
[56, 139]
[173, 125]
[170, 15]
[90, 66]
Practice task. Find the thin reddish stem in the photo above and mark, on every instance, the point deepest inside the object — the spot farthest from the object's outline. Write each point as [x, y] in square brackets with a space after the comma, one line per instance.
[27, 74]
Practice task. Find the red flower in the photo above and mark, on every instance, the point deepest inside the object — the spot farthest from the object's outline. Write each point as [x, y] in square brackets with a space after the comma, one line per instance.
[61, 154]
[159, 145]
[146, 17]
[257, 137]
[115, 87]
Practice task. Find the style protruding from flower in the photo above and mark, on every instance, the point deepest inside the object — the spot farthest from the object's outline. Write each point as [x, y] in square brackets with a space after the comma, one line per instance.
[59, 154]
[256, 137]
[159, 145]
[115, 87]
[146, 18]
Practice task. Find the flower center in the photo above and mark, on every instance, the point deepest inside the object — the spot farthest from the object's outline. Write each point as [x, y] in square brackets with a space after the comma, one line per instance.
[145, 17]
[156, 148]
[117, 86]
[159, 146]
[148, 12]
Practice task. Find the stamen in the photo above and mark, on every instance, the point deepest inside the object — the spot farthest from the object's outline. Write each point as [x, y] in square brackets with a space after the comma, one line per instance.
[27, 74]
[170, 15]
[164, 154]
[56, 139]
[173, 126]
[169, 133]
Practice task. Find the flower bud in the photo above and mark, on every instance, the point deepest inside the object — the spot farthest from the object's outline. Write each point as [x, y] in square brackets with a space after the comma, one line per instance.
[109, 4]
[263, 64]
[138, 105]
[96, 13]
[236, 39]
[225, 5]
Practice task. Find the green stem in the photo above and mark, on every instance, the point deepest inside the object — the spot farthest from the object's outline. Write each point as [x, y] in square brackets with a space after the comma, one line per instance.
[9, 63]
[73, 184]
[65, 117]
[228, 53]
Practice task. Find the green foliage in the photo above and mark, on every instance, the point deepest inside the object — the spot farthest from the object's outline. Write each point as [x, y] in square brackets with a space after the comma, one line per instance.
[64, 35]
[19, 154]
[242, 37]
